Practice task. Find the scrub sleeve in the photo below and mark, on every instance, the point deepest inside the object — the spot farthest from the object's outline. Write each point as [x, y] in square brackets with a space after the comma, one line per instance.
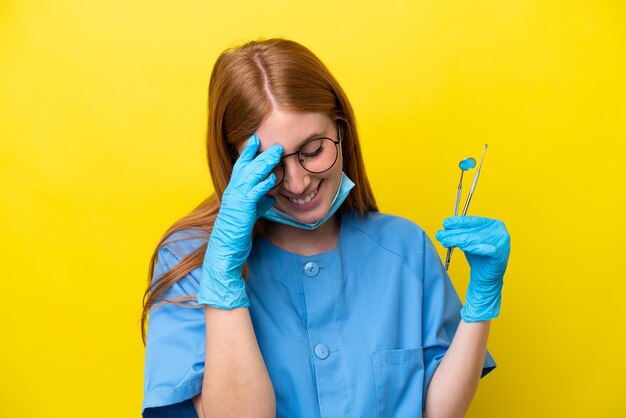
[175, 346]
[441, 313]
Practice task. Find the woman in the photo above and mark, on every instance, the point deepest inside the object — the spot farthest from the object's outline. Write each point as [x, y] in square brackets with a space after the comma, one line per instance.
[344, 311]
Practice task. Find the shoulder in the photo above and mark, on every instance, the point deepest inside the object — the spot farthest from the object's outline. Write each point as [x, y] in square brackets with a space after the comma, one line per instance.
[384, 238]
[174, 249]
[182, 243]
[386, 229]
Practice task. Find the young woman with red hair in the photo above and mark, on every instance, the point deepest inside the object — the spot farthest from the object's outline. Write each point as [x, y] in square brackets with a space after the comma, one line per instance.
[286, 292]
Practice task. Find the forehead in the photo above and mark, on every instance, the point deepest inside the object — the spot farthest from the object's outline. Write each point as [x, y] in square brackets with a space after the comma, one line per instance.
[290, 129]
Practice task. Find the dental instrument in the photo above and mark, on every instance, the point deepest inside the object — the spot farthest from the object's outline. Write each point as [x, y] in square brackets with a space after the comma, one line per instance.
[464, 165]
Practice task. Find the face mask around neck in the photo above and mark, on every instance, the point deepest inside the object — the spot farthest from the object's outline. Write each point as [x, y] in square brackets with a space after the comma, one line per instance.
[279, 216]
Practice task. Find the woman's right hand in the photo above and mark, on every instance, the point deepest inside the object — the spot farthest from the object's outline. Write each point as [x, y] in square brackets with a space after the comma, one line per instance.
[243, 202]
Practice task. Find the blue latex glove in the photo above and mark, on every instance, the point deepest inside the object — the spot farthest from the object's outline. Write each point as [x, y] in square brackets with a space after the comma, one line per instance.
[486, 244]
[243, 202]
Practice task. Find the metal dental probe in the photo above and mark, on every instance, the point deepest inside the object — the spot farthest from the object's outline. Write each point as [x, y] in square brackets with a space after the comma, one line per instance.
[469, 199]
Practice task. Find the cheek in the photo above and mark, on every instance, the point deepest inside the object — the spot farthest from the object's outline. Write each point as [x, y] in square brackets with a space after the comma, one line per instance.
[333, 178]
[336, 171]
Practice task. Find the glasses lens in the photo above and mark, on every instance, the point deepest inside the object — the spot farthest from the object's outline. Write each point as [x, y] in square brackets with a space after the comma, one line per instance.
[318, 155]
[279, 172]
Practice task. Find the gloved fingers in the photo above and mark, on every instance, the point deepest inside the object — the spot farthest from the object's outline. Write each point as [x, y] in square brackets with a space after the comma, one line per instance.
[450, 232]
[495, 245]
[486, 230]
[467, 222]
[248, 152]
[260, 168]
[479, 234]
[445, 241]
[458, 239]
[480, 249]
[263, 187]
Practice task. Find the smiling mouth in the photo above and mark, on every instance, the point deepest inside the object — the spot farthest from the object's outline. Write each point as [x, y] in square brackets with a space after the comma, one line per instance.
[306, 199]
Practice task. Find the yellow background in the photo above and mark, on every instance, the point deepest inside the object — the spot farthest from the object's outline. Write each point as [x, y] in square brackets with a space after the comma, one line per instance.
[102, 121]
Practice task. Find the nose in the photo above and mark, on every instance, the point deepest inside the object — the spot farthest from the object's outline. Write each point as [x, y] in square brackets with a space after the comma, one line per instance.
[297, 179]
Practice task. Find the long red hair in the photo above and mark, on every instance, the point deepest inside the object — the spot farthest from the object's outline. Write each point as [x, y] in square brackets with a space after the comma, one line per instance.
[247, 83]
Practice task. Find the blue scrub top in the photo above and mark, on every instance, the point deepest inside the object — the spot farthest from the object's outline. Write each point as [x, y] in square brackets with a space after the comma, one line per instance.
[357, 331]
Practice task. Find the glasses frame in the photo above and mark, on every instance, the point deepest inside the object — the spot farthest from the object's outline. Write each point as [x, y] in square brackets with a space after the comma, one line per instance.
[334, 141]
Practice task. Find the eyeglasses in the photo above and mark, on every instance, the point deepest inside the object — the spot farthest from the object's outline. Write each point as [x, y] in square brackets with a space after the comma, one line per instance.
[316, 156]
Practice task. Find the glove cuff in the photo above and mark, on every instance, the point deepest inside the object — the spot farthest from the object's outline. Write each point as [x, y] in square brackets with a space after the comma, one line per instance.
[224, 291]
[483, 304]
[239, 301]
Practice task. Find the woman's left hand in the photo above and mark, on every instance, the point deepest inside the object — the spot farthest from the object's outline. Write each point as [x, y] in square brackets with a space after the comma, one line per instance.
[486, 244]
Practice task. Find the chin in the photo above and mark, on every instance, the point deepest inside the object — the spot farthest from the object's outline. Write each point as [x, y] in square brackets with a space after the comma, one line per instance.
[307, 218]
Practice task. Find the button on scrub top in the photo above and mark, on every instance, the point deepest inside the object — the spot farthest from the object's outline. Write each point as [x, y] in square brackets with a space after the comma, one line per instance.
[357, 331]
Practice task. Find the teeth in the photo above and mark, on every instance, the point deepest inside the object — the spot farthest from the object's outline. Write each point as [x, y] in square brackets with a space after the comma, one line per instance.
[306, 199]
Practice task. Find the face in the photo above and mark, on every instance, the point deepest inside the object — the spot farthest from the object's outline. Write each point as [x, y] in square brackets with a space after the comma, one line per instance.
[291, 130]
